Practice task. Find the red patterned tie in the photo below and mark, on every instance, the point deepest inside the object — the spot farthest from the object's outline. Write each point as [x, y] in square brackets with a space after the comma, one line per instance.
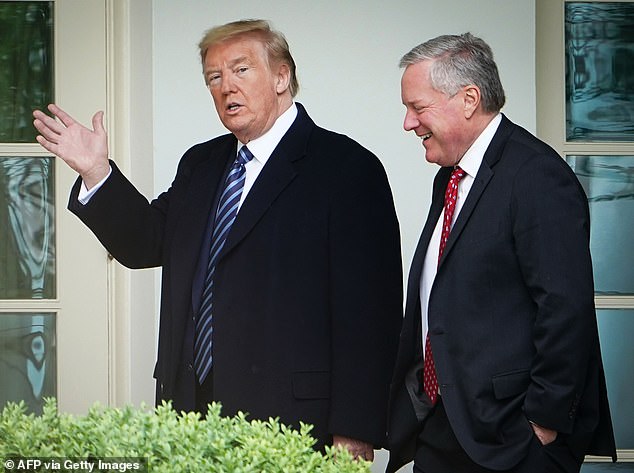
[430, 382]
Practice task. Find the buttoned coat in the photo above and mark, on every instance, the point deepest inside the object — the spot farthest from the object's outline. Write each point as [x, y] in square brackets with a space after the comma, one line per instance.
[307, 290]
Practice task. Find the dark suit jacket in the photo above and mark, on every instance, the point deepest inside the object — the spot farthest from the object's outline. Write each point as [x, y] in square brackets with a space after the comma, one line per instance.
[511, 313]
[307, 291]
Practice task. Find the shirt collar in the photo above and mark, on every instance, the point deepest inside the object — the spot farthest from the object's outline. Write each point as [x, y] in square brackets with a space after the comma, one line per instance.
[263, 147]
[472, 159]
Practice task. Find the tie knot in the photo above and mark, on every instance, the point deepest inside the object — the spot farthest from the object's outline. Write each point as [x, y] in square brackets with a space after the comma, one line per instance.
[457, 174]
[244, 156]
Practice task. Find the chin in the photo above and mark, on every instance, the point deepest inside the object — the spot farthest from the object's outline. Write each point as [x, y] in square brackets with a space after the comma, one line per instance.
[234, 127]
[431, 159]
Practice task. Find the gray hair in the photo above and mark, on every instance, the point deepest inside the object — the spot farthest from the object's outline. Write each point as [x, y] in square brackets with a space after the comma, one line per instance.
[458, 61]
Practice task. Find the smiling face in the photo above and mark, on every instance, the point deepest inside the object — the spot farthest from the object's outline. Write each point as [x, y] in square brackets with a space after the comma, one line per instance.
[248, 92]
[442, 122]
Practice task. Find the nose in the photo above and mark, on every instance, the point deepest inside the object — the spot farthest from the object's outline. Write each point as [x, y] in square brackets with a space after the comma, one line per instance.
[227, 85]
[411, 122]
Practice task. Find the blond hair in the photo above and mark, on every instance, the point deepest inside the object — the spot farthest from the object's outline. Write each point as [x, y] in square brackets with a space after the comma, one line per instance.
[274, 42]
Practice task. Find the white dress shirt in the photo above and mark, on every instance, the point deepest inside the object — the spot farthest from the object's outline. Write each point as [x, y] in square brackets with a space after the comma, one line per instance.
[263, 147]
[470, 163]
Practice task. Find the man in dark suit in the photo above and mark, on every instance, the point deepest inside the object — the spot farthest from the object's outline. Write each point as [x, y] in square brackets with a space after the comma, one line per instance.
[304, 283]
[499, 367]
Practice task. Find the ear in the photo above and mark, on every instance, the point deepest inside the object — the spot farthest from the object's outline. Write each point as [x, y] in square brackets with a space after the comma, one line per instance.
[471, 100]
[283, 79]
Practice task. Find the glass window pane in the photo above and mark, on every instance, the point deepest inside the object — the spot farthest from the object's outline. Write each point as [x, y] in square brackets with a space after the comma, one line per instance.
[607, 467]
[27, 228]
[599, 48]
[616, 328]
[26, 66]
[28, 359]
[609, 184]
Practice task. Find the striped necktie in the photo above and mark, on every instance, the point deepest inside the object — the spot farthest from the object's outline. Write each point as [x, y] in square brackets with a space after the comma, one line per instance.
[225, 216]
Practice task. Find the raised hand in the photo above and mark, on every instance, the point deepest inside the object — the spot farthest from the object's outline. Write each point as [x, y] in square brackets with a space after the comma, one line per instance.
[83, 149]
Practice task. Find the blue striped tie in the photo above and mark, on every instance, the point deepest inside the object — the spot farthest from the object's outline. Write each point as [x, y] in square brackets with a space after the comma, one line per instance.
[225, 215]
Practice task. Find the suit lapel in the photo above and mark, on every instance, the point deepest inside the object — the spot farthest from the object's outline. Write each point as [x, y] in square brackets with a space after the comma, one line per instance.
[479, 184]
[191, 229]
[192, 226]
[440, 182]
[411, 323]
[276, 175]
[485, 173]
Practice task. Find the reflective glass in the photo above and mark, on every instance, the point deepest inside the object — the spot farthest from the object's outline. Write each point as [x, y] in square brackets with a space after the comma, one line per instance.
[27, 228]
[615, 330]
[26, 66]
[28, 359]
[599, 49]
[624, 467]
[609, 184]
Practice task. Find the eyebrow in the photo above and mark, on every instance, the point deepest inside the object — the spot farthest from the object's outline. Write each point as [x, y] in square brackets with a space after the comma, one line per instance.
[232, 63]
[239, 60]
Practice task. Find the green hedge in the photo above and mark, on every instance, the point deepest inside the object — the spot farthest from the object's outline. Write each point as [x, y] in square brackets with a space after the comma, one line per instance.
[169, 441]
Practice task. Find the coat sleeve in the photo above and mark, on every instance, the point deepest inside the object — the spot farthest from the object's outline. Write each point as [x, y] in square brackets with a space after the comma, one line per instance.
[365, 296]
[551, 230]
[126, 224]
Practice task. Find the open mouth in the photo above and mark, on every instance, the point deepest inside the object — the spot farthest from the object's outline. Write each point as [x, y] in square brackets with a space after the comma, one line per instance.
[232, 107]
[426, 136]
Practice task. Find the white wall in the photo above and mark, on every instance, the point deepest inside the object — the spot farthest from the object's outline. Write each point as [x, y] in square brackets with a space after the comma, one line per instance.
[347, 55]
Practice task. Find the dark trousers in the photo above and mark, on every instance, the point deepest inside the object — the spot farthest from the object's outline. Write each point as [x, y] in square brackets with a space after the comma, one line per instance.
[438, 451]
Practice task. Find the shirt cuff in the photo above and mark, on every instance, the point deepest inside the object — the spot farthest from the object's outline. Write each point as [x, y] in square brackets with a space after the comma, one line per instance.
[85, 195]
